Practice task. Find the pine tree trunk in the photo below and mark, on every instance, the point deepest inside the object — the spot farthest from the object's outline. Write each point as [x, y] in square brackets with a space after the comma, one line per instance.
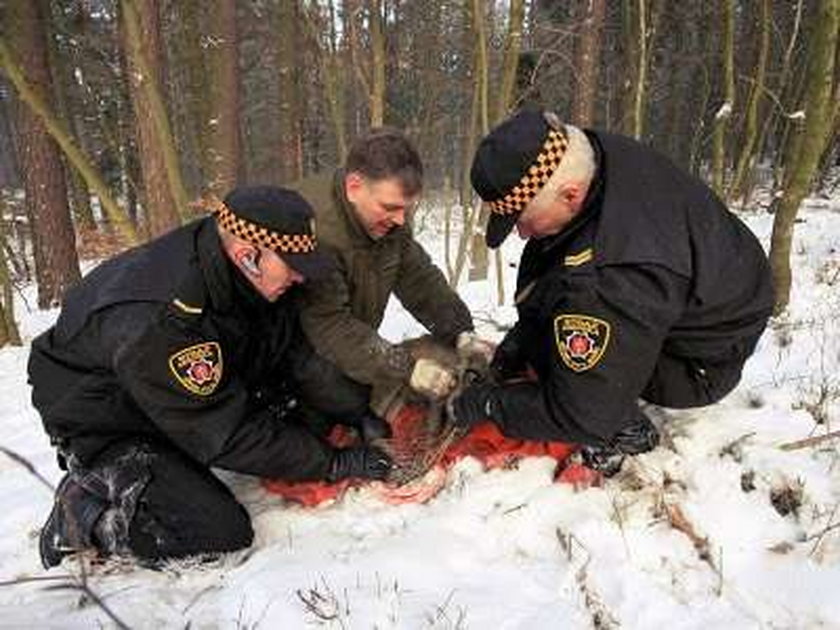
[188, 91]
[69, 108]
[54, 244]
[288, 55]
[800, 171]
[588, 64]
[146, 76]
[223, 168]
[724, 112]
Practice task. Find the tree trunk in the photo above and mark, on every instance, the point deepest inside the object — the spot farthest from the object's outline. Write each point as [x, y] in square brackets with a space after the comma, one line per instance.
[588, 64]
[322, 32]
[632, 42]
[480, 258]
[377, 44]
[188, 90]
[223, 168]
[9, 333]
[724, 112]
[510, 62]
[70, 107]
[287, 49]
[56, 263]
[161, 200]
[751, 124]
[799, 173]
[57, 131]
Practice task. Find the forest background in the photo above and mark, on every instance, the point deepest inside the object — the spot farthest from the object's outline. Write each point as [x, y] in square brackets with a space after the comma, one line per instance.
[117, 115]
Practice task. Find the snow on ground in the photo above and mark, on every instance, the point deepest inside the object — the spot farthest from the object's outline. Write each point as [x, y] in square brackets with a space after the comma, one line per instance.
[687, 535]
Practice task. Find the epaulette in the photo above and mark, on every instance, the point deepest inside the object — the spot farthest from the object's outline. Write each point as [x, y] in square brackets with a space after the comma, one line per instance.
[187, 308]
[190, 296]
[581, 258]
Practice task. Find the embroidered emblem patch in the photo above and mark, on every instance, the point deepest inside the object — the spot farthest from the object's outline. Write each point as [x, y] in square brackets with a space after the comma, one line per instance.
[581, 340]
[198, 368]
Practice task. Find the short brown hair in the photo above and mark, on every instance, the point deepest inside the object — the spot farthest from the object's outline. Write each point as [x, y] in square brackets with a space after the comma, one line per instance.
[383, 153]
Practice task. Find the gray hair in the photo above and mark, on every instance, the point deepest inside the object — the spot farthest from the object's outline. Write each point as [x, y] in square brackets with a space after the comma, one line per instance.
[577, 166]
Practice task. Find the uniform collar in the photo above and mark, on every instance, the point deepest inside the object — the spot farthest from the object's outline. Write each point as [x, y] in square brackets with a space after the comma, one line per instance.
[214, 266]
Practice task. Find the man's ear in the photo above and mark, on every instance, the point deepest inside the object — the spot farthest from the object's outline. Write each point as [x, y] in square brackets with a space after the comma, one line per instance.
[245, 257]
[572, 194]
[353, 183]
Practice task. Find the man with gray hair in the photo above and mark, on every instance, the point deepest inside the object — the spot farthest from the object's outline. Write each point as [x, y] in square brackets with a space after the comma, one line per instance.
[636, 283]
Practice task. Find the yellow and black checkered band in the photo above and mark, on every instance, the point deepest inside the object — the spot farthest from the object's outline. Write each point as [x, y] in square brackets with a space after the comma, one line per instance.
[242, 228]
[536, 177]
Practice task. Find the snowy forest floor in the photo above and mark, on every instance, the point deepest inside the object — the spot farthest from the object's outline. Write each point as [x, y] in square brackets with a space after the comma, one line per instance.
[718, 527]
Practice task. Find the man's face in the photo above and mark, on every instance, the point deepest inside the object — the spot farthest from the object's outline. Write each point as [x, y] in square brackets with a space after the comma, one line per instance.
[547, 219]
[274, 276]
[381, 205]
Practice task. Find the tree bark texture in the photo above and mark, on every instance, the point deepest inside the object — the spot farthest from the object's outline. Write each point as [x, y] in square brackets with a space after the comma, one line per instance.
[588, 64]
[54, 243]
[223, 167]
[799, 173]
[161, 200]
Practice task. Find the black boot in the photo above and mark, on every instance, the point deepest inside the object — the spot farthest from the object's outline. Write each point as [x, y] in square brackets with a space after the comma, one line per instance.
[639, 437]
[70, 524]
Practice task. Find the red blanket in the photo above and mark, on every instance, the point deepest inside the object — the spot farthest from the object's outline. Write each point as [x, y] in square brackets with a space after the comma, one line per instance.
[484, 442]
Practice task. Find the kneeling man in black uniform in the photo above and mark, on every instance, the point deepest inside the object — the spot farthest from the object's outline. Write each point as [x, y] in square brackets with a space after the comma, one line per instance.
[636, 282]
[179, 355]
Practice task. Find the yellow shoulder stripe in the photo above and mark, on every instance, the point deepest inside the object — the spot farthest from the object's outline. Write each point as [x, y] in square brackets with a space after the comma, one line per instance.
[192, 310]
[576, 260]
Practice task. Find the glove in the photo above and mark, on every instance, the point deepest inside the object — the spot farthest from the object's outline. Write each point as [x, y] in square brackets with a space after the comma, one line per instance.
[477, 403]
[361, 462]
[372, 427]
[473, 349]
[431, 379]
[507, 362]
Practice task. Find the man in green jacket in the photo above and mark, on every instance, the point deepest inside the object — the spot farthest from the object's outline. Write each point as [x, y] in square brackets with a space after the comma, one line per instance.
[364, 213]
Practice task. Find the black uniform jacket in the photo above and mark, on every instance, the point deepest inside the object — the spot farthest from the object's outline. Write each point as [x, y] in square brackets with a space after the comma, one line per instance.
[655, 264]
[169, 341]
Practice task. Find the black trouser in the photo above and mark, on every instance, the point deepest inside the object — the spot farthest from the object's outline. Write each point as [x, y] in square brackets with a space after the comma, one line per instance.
[158, 504]
[680, 383]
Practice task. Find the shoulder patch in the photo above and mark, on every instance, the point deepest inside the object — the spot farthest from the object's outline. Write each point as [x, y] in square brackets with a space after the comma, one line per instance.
[581, 258]
[198, 368]
[581, 340]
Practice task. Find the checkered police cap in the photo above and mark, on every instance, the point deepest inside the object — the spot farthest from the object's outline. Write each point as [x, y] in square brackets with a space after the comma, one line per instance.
[275, 218]
[513, 163]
